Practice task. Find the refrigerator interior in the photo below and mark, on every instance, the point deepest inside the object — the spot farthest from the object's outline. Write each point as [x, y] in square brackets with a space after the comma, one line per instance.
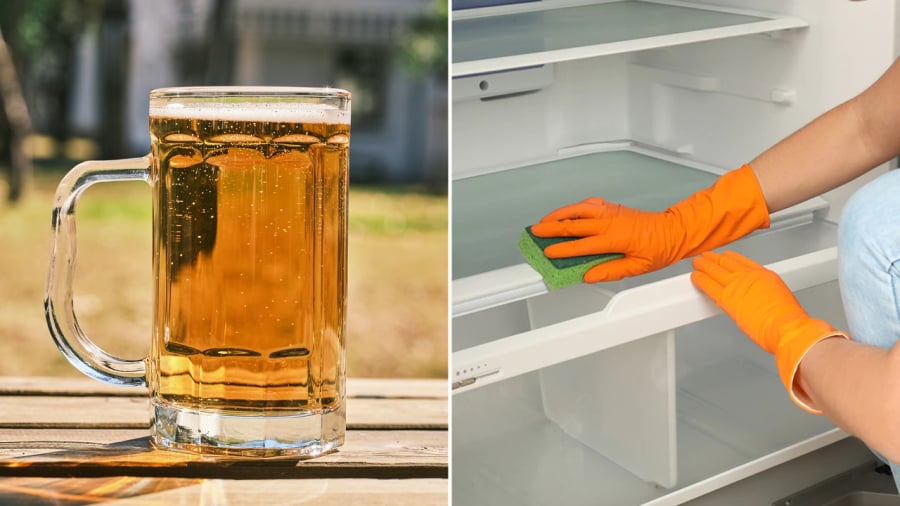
[719, 101]
[511, 447]
[553, 390]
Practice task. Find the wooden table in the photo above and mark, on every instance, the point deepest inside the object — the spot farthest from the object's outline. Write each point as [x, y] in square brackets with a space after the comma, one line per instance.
[77, 441]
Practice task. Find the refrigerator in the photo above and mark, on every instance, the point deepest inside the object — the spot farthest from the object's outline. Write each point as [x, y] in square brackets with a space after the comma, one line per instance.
[638, 391]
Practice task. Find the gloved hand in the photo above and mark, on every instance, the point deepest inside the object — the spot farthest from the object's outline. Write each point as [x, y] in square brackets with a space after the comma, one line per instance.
[765, 309]
[732, 208]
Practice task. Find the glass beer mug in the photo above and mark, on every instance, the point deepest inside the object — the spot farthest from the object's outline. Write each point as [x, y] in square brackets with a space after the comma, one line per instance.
[249, 191]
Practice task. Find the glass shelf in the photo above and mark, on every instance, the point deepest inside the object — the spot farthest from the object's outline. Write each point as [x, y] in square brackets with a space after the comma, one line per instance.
[490, 210]
[522, 36]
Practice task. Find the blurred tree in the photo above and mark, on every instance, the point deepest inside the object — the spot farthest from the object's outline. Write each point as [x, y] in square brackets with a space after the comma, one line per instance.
[39, 39]
[42, 36]
[114, 53]
[18, 121]
[424, 49]
[207, 57]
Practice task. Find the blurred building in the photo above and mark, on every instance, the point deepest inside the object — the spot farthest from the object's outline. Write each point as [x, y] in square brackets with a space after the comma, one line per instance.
[399, 130]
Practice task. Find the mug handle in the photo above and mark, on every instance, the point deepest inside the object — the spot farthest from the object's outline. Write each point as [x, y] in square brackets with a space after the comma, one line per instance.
[82, 352]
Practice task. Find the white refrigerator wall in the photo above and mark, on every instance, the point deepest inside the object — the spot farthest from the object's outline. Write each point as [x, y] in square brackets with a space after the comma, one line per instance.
[846, 47]
[720, 102]
[585, 102]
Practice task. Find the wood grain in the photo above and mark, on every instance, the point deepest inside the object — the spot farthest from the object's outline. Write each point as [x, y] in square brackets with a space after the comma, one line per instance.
[133, 412]
[77, 441]
[349, 492]
[127, 490]
[91, 452]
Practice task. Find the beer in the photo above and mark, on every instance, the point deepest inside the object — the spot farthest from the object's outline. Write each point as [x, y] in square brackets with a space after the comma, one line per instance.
[250, 245]
[250, 267]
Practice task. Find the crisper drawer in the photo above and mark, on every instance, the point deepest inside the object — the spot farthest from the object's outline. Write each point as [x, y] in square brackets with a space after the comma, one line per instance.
[660, 420]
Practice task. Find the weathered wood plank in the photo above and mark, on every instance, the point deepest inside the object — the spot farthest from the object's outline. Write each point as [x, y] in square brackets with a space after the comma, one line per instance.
[350, 492]
[90, 453]
[398, 388]
[85, 490]
[126, 491]
[365, 413]
[83, 386]
[133, 412]
[97, 412]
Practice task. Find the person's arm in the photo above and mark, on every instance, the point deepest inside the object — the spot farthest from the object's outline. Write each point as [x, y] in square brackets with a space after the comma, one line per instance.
[840, 145]
[836, 147]
[858, 388]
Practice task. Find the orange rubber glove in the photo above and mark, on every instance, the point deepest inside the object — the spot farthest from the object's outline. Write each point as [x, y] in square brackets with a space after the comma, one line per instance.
[730, 209]
[765, 309]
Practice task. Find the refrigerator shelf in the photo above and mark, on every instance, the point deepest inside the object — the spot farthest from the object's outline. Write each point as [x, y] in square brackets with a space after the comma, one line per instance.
[490, 210]
[600, 319]
[509, 37]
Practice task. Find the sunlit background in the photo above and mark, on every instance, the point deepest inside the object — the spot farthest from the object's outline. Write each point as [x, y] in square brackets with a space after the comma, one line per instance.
[74, 78]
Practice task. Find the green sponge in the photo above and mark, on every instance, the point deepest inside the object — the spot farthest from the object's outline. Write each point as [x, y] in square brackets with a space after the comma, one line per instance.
[558, 272]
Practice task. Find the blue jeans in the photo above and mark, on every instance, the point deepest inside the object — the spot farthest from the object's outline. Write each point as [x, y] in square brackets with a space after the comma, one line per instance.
[869, 265]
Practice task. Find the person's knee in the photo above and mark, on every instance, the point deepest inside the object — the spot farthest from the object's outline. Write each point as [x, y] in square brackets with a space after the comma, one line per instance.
[869, 223]
[868, 255]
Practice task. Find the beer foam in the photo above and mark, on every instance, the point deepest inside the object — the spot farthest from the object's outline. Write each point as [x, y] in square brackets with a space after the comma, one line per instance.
[244, 110]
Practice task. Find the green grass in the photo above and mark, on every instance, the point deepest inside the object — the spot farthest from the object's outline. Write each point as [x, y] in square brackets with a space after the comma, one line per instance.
[397, 306]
